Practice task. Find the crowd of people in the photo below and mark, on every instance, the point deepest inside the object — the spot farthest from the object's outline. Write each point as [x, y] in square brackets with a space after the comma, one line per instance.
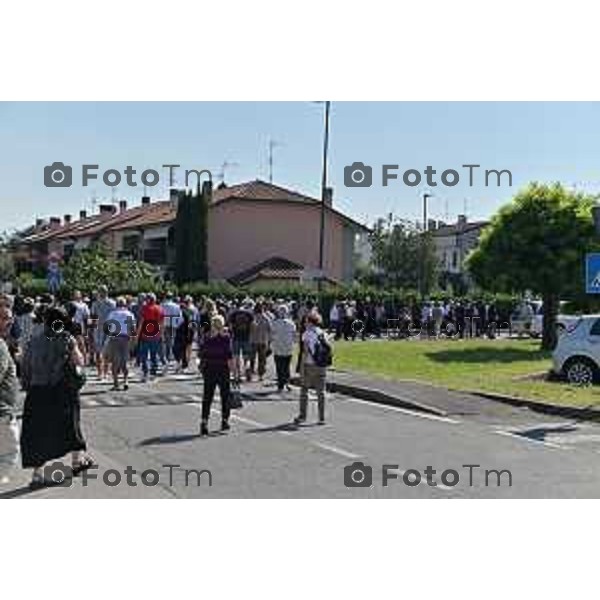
[47, 346]
[351, 319]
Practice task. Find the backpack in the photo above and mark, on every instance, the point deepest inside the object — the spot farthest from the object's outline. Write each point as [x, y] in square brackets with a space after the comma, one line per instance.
[322, 355]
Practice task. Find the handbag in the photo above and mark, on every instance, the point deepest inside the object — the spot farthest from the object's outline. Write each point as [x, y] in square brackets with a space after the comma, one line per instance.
[235, 397]
[74, 376]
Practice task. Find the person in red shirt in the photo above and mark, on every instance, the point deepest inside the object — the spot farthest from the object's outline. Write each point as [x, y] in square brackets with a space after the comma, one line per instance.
[149, 334]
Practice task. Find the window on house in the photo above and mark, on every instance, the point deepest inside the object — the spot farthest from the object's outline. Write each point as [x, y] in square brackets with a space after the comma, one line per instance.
[155, 251]
[130, 246]
[455, 259]
[68, 250]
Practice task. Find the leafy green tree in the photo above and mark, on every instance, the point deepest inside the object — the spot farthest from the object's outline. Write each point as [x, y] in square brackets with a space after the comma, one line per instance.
[537, 243]
[7, 265]
[89, 268]
[398, 249]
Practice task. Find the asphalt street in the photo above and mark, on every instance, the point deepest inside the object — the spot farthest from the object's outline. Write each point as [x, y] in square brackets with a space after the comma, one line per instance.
[263, 456]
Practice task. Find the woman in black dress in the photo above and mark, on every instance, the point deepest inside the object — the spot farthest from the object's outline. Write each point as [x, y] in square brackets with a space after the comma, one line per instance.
[51, 414]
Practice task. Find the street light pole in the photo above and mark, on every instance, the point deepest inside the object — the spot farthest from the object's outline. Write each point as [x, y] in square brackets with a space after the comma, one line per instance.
[323, 195]
[422, 286]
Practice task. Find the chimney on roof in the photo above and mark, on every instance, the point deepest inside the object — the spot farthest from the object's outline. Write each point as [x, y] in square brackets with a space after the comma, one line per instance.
[431, 225]
[145, 200]
[67, 219]
[462, 220]
[82, 215]
[122, 205]
[54, 222]
[174, 196]
[107, 209]
[39, 223]
[328, 196]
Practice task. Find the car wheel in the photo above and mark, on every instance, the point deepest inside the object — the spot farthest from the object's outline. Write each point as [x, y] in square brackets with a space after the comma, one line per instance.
[581, 371]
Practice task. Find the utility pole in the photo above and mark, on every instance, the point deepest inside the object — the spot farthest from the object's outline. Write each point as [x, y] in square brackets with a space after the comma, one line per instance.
[422, 286]
[323, 195]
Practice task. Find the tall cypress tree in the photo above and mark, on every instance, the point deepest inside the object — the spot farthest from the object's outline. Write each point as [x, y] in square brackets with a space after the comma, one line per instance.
[191, 235]
[203, 203]
[182, 250]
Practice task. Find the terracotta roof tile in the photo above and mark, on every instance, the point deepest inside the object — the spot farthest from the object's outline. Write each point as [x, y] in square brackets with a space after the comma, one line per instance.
[164, 211]
[272, 268]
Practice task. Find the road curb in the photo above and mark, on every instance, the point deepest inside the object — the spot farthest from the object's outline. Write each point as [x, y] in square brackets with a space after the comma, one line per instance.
[571, 412]
[379, 396]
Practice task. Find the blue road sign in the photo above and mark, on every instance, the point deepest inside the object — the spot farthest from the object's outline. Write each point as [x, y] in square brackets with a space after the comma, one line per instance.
[592, 273]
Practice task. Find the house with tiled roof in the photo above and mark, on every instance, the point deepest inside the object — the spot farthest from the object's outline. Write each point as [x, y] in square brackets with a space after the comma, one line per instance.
[453, 242]
[257, 231]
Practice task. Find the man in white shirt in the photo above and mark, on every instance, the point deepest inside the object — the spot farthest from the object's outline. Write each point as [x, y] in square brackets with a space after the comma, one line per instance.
[173, 318]
[81, 320]
[120, 326]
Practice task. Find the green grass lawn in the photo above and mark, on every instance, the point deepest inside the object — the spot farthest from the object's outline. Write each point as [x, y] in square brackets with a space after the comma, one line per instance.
[474, 365]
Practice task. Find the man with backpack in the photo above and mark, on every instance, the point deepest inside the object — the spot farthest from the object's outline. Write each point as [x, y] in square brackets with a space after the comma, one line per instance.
[316, 357]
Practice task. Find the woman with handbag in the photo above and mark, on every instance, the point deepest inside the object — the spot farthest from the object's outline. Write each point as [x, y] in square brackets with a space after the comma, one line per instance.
[217, 364]
[51, 414]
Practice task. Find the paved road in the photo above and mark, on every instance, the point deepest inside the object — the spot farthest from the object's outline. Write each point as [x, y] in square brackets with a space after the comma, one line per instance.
[263, 456]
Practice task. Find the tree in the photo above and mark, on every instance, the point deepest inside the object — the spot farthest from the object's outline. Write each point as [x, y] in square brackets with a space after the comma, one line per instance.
[7, 265]
[92, 267]
[397, 251]
[191, 235]
[537, 243]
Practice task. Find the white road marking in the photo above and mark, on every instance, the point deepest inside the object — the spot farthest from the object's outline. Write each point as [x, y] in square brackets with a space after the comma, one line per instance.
[90, 402]
[406, 411]
[529, 439]
[110, 401]
[336, 450]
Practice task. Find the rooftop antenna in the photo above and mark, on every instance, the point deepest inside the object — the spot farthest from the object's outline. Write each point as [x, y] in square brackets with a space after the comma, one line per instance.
[93, 201]
[272, 145]
[446, 214]
[224, 166]
[466, 207]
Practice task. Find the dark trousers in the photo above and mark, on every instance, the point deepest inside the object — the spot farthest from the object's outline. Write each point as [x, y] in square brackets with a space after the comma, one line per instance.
[259, 351]
[282, 367]
[212, 380]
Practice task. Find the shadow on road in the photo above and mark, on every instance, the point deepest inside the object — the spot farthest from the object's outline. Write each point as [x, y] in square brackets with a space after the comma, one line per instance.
[282, 427]
[489, 355]
[539, 433]
[177, 439]
[258, 396]
[17, 493]
[169, 439]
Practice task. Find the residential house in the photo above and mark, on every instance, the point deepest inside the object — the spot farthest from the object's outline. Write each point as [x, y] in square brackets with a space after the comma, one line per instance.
[257, 231]
[452, 245]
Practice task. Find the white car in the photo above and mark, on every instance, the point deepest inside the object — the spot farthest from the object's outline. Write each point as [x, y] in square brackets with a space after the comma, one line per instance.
[577, 353]
[530, 322]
